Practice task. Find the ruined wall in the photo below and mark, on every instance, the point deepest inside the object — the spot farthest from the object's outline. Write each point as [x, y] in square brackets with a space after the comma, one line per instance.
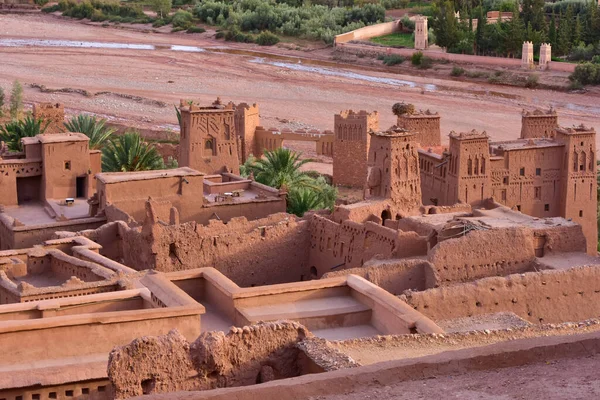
[483, 253]
[266, 140]
[542, 297]
[245, 356]
[335, 246]
[368, 32]
[15, 171]
[434, 187]
[395, 276]
[426, 127]
[251, 253]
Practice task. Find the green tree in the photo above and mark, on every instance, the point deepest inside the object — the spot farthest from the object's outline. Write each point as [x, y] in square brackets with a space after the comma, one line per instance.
[563, 40]
[92, 127]
[16, 100]
[577, 32]
[281, 167]
[533, 14]
[129, 152]
[552, 31]
[161, 7]
[515, 33]
[444, 24]
[2, 99]
[12, 132]
[301, 200]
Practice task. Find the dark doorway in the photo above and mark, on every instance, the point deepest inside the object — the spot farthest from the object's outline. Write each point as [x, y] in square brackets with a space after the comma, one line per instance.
[81, 186]
[386, 214]
[28, 189]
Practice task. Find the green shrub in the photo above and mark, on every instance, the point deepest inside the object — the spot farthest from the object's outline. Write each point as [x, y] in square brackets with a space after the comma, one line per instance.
[159, 23]
[196, 29]
[457, 71]
[220, 35]
[416, 58]
[586, 74]
[267, 38]
[41, 2]
[392, 59]
[426, 63]
[532, 80]
[182, 19]
[235, 35]
[51, 9]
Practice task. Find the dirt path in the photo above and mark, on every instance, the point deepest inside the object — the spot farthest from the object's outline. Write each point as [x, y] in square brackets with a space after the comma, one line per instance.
[557, 380]
[303, 97]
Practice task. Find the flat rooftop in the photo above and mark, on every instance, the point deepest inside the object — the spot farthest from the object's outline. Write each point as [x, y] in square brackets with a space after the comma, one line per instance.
[37, 213]
[116, 177]
[520, 144]
[56, 138]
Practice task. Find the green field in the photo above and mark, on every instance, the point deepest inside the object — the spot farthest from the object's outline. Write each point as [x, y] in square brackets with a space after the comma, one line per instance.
[395, 40]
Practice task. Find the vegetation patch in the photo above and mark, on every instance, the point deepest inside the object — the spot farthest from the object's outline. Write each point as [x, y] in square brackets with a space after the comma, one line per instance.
[396, 39]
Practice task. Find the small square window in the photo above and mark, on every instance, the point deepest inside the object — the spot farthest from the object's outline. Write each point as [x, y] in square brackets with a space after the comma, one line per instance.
[69, 393]
[67, 165]
[101, 388]
[546, 207]
[505, 180]
[18, 397]
[538, 171]
[35, 396]
[85, 391]
[522, 172]
[581, 213]
[52, 395]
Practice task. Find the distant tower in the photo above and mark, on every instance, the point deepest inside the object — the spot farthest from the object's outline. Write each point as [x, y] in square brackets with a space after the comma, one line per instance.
[421, 40]
[545, 55]
[469, 168]
[394, 168]
[538, 124]
[52, 114]
[247, 118]
[351, 146]
[208, 140]
[579, 200]
[527, 55]
[426, 126]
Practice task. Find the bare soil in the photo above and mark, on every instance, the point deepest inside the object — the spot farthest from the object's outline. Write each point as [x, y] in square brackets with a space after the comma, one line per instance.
[287, 97]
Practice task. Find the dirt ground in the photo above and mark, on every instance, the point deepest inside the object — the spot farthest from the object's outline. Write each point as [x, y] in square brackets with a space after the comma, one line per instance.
[304, 98]
[557, 380]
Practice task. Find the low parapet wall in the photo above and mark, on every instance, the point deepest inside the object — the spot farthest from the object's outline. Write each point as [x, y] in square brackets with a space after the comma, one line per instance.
[369, 32]
[507, 354]
[457, 58]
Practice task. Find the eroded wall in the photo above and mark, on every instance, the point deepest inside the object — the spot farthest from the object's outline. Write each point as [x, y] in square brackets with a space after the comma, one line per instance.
[547, 296]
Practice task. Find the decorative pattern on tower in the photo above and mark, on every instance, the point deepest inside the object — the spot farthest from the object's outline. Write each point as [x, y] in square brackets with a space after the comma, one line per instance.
[394, 168]
[208, 141]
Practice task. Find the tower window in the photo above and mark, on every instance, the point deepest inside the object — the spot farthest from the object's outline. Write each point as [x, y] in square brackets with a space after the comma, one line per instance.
[581, 213]
[67, 165]
[522, 172]
[505, 180]
[518, 207]
[537, 192]
[538, 171]
[546, 207]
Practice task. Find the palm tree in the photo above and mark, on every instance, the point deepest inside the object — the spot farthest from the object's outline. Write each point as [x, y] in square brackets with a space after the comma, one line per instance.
[301, 200]
[92, 127]
[129, 152]
[281, 167]
[12, 132]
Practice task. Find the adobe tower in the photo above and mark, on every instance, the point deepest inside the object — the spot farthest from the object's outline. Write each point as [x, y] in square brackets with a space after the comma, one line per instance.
[208, 141]
[421, 39]
[351, 148]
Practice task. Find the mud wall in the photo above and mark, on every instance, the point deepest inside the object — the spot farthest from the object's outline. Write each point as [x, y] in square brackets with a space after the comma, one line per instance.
[395, 276]
[483, 253]
[251, 253]
[369, 32]
[245, 356]
[336, 246]
[548, 296]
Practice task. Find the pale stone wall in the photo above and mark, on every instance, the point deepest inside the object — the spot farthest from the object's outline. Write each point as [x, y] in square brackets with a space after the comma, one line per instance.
[368, 32]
